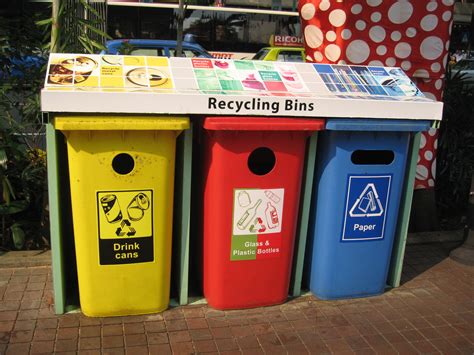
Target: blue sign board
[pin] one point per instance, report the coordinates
(366, 207)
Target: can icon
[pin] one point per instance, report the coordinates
(111, 208)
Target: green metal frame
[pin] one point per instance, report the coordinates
(55, 219)
(398, 253)
(182, 217)
(304, 214)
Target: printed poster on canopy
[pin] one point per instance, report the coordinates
(257, 223)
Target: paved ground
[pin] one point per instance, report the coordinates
(432, 312)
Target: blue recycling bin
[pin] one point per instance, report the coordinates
(358, 184)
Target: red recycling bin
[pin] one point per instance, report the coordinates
(253, 171)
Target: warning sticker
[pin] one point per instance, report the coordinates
(257, 221)
(125, 224)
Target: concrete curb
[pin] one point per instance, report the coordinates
(25, 258)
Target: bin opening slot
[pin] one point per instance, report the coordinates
(123, 163)
(372, 157)
(261, 161)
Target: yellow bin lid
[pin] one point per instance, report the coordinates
(121, 123)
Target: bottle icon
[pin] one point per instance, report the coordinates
(271, 215)
(248, 216)
(272, 196)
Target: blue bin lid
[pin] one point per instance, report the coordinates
(345, 124)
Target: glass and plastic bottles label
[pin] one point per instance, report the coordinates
(257, 221)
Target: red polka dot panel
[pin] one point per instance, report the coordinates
(413, 35)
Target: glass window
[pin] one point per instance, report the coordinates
(289, 56)
(262, 53)
(188, 53)
(148, 51)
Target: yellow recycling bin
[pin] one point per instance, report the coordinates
(122, 177)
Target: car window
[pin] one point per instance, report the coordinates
(188, 53)
(262, 53)
(148, 51)
(290, 56)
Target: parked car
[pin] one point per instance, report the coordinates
(154, 47)
(282, 54)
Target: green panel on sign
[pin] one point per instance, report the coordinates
(204, 73)
(244, 65)
(270, 75)
(231, 85)
(241, 249)
(209, 84)
(226, 75)
(264, 66)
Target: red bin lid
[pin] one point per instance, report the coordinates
(248, 123)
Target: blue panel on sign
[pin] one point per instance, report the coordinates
(366, 207)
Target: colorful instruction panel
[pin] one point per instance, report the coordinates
(366, 207)
(257, 221)
(367, 80)
(109, 71)
(247, 75)
(125, 224)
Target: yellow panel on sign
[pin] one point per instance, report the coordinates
(122, 204)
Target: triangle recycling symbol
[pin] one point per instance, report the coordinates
(367, 204)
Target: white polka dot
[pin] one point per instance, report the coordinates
(421, 172)
(324, 5)
(356, 9)
(431, 48)
(421, 73)
(451, 27)
(360, 25)
(308, 58)
(446, 46)
(446, 16)
(448, 2)
(402, 50)
(318, 56)
(307, 11)
(411, 32)
(342, 62)
(418, 160)
(396, 36)
(435, 67)
(432, 132)
(422, 141)
(376, 17)
(435, 144)
(429, 95)
(333, 52)
(374, 3)
(429, 22)
(433, 167)
(377, 34)
(331, 36)
(406, 65)
(337, 17)
(390, 62)
(439, 84)
(428, 155)
(346, 34)
(431, 182)
(400, 12)
(381, 50)
(313, 36)
(445, 60)
(357, 51)
(376, 63)
(431, 6)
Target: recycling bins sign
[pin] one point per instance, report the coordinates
(125, 222)
(366, 207)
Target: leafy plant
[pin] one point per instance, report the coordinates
(455, 160)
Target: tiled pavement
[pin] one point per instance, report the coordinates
(432, 312)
